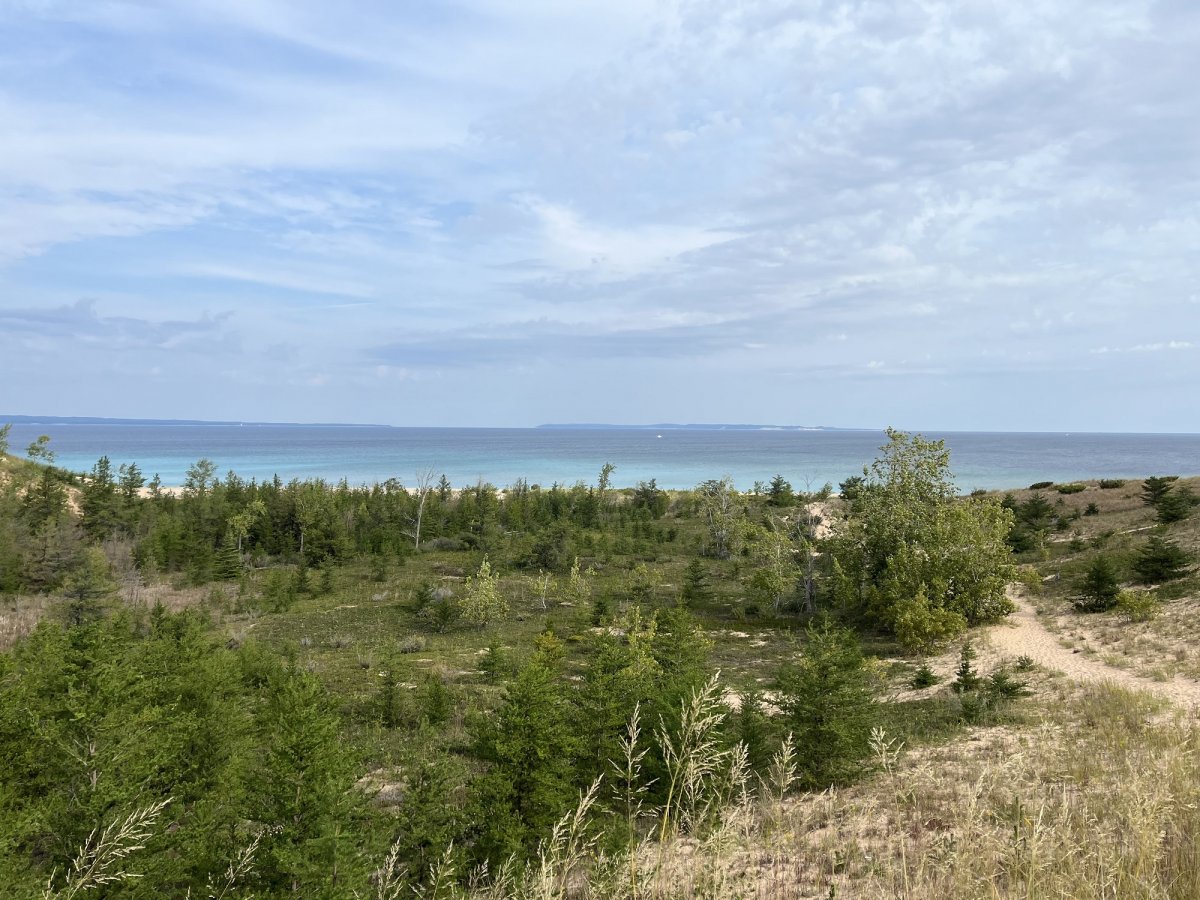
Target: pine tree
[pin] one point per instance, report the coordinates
(530, 746)
(828, 703)
(1100, 586)
(780, 493)
(1160, 560)
(1175, 505)
(696, 587)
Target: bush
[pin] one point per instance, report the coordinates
(1100, 586)
(1041, 485)
(1160, 560)
(1138, 606)
(966, 679)
(920, 626)
(923, 677)
(1073, 488)
(1108, 484)
(413, 643)
(1175, 506)
(1030, 578)
(1092, 509)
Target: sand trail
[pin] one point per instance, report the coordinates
(1023, 635)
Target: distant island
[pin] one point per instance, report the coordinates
(100, 420)
(694, 426)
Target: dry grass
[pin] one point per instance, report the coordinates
(1099, 799)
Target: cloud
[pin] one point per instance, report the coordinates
(704, 193)
(80, 322)
(537, 342)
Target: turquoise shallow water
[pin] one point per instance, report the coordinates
(677, 459)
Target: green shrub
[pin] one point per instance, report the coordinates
(966, 679)
(1108, 484)
(1138, 606)
(1100, 586)
(1073, 488)
(923, 677)
(923, 627)
(1041, 485)
(1160, 560)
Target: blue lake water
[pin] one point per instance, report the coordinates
(677, 459)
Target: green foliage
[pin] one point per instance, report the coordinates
(1031, 520)
(717, 501)
(923, 677)
(529, 746)
(496, 664)
(1109, 484)
(965, 677)
(828, 704)
(853, 487)
(1138, 606)
(1156, 487)
(780, 492)
(773, 575)
(482, 601)
(86, 588)
(433, 815)
(909, 537)
(121, 714)
(979, 695)
(649, 497)
(300, 786)
(755, 729)
(921, 627)
(1099, 586)
(1041, 485)
(1072, 488)
(1175, 505)
(696, 585)
(1160, 560)
(39, 450)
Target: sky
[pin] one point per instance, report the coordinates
(943, 215)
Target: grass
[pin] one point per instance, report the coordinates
(1094, 793)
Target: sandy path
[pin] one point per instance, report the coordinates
(1024, 635)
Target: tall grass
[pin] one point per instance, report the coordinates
(1100, 801)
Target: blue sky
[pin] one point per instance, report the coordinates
(953, 215)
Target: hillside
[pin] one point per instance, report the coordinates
(447, 704)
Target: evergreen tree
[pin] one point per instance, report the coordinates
(1175, 505)
(1099, 586)
(1160, 560)
(828, 704)
(99, 501)
(530, 747)
(696, 586)
(87, 587)
(1156, 487)
(302, 790)
(780, 492)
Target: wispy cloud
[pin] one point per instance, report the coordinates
(726, 199)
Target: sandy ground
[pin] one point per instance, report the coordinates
(1024, 635)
